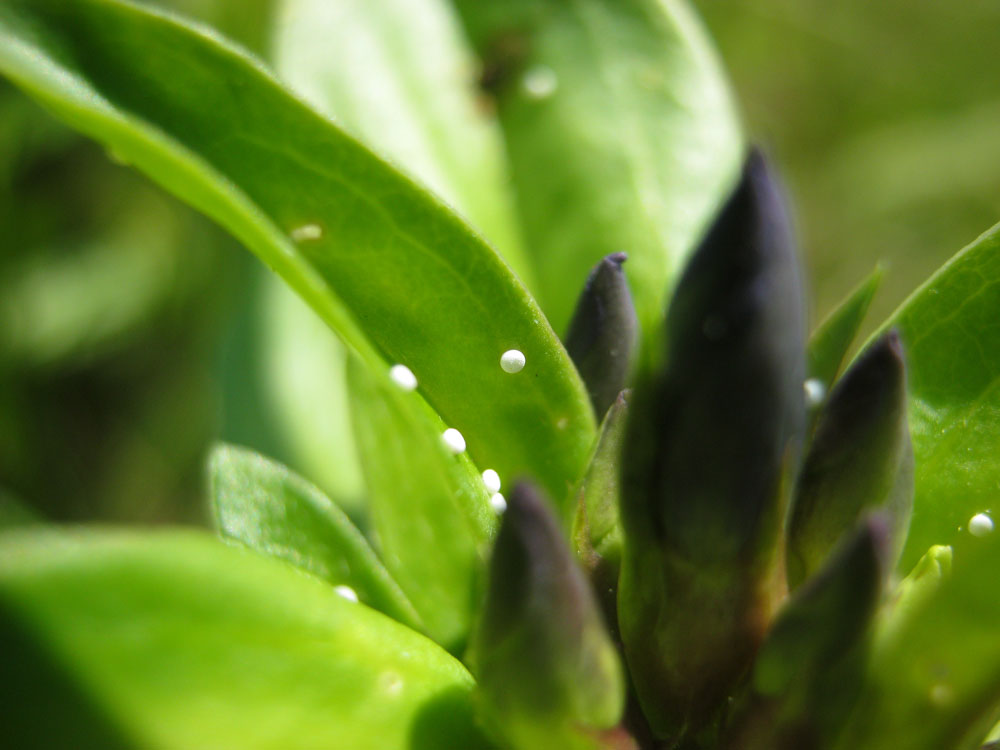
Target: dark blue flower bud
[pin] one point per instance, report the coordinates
(860, 458)
(603, 333)
(546, 667)
(711, 443)
(810, 669)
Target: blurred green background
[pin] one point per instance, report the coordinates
(133, 333)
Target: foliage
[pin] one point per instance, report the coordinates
(736, 548)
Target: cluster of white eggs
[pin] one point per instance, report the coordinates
(511, 361)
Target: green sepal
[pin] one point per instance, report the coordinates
(829, 343)
(604, 333)
(548, 673)
(596, 532)
(860, 458)
(709, 449)
(810, 669)
(922, 582)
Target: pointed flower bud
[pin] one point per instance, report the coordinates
(545, 664)
(809, 670)
(860, 458)
(602, 335)
(708, 450)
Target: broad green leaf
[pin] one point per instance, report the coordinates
(399, 75)
(399, 276)
(832, 338)
(180, 641)
(621, 132)
(268, 508)
(934, 681)
(429, 507)
(951, 335)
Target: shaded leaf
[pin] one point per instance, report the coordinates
(268, 508)
(182, 641)
(830, 342)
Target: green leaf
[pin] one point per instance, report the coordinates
(621, 132)
(832, 338)
(395, 74)
(179, 641)
(934, 682)
(399, 276)
(398, 74)
(952, 339)
(429, 507)
(268, 508)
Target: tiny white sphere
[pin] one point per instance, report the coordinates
(980, 525)
(512, 361)
(307, 232)
(498, 502)
(492, 480)
(403, 377)
(540, 82)
(347, 592)
(815, 391)
(453, 440)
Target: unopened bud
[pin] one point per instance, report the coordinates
(860, 458)
(710, 445)
(602, 335)
(810, 669)
(544, 661)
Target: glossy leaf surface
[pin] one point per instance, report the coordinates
(395, 272)
(396, 74)
(180, 641)
(268, 508)
(429, 507)
(951, 331)
(621, 132)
